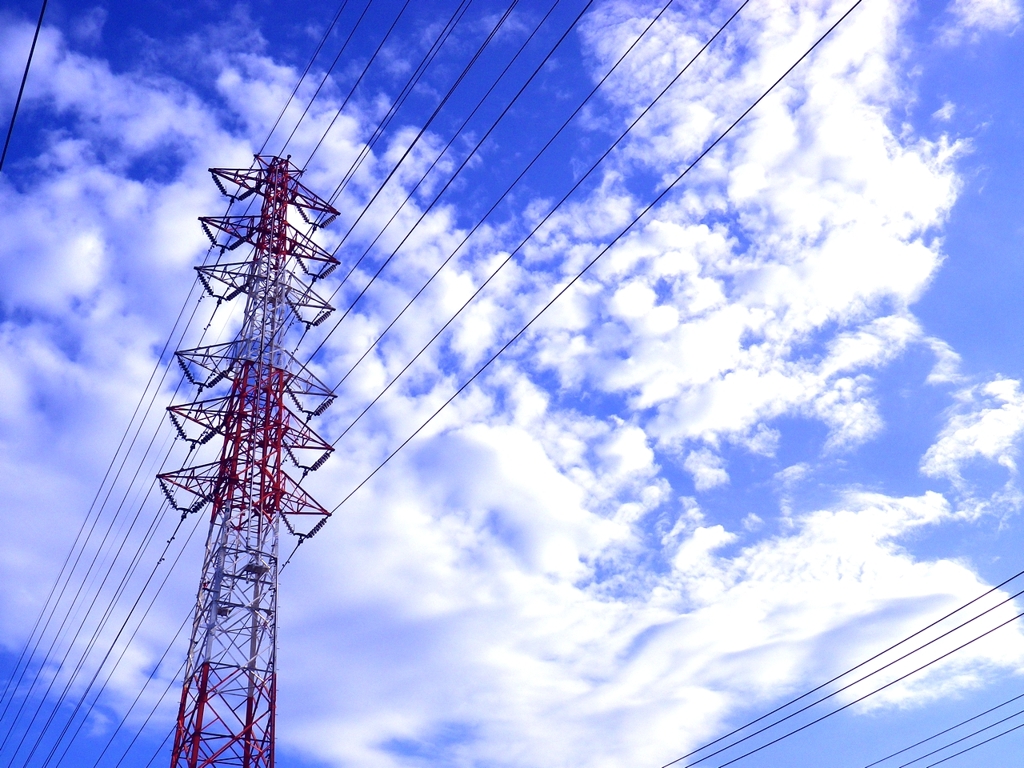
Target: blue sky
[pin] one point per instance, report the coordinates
(774, 429)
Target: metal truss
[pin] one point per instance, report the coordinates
(226, 715)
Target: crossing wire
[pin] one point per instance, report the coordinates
(90, 568)
(127, 644)
(151, 400)
(399, 100)
(861, 679)
(355, 84)
(451, 180)
(428, 58)
(440, 105)
(843, 708)
(433, 164)
(27, 656)
(107, 612)
(21, 88)
(149, 679)
(105, 616)
(177, 679)
(657, 199)
(95, 560)
(302, 77)
(494, 206)
(423, 177)
(334, 63)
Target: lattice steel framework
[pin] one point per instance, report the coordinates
(226, 716)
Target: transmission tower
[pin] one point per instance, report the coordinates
(227, 710)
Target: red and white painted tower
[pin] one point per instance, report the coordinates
(226, 716)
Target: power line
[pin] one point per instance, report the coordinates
(963, 738)
(565, 197)
(103, 686)
(327, 74)
(102, 505)
(836, 711)
(668, 188)
(21, 88)
(861, 679)
(945, 731)
(302, 77)
(975, 746)
(579, 182)
(149, 679)
(403, 95)
(451, 180)
(852, 669)
(380, 188)
(355, 85)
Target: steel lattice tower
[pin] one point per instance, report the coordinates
(226, 716)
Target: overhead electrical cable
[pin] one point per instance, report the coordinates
(21, 88)
(428, 58)
(962, 739)
(149, 679)
(426, 173)
(84, 586)
(452, 178)
(355, 85)
(945, 731)
(437, 109)
(55, 677)
(846, 706)
(861, 679)
(495, 205)
(851, 670)
(107, 615)
(973, 747)
(71, 678)
(657, 199)
(83, 698)
(423, 177)
(81, 530)
(107, 612)
(91, 519)
(175, 680)
(302, 77)
(84, 578)
(330, 69)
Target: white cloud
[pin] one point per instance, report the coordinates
(970, 17)
(987, 423)
(527, 668)
(707, 469)
(523, 585)
(783, 273)
(945, 112)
